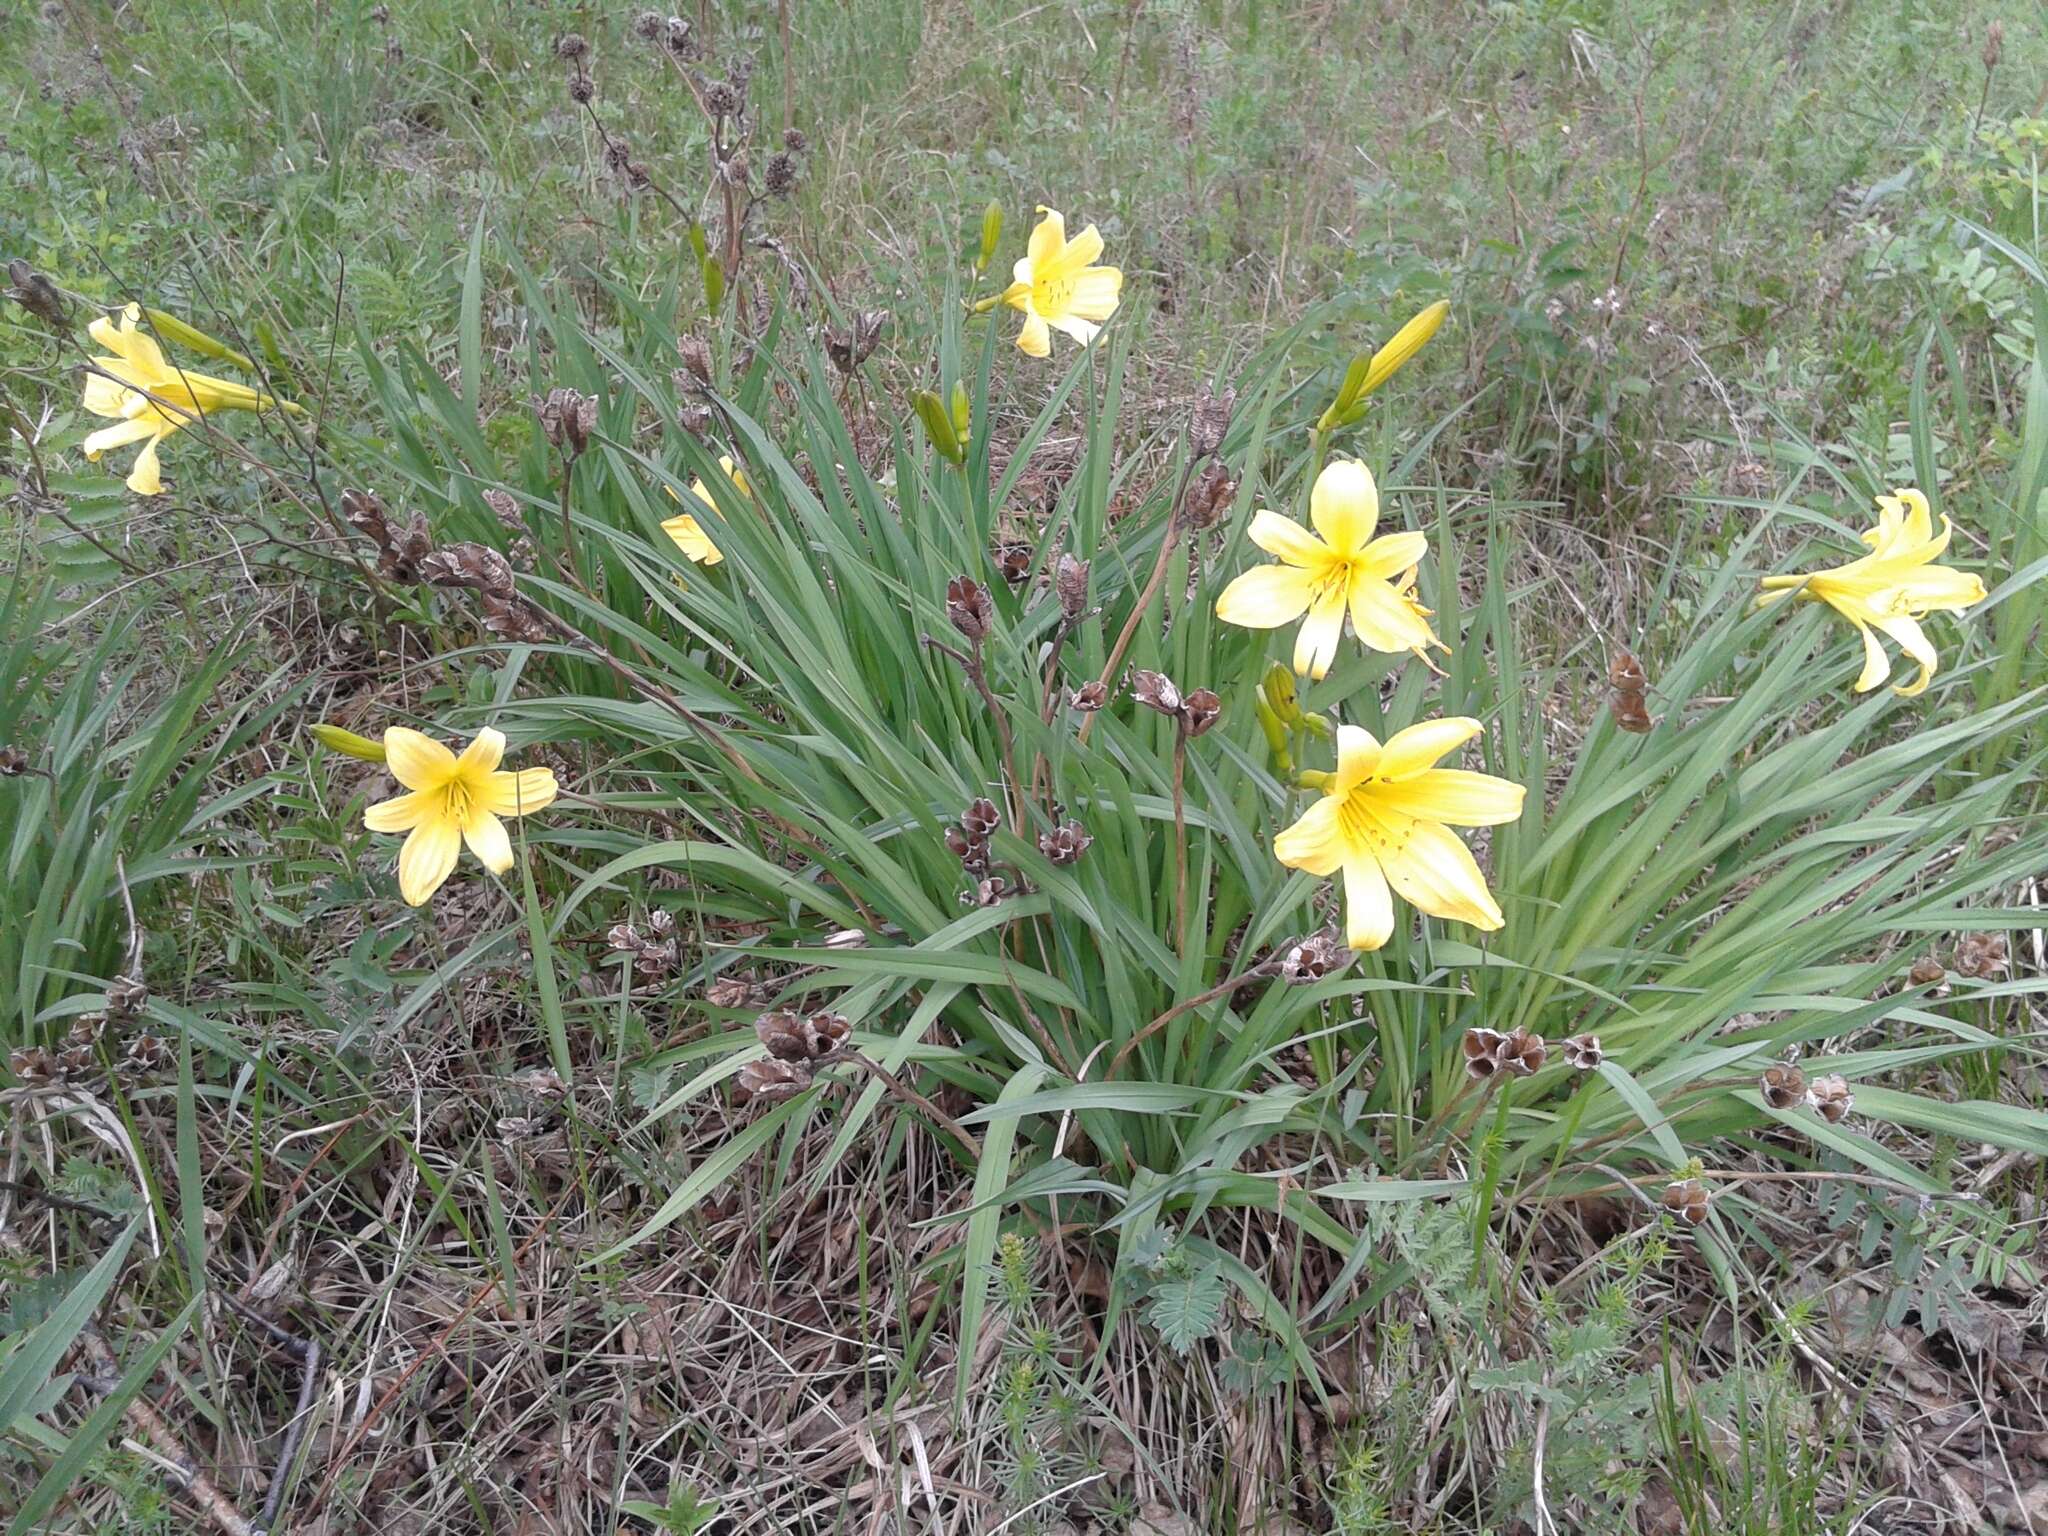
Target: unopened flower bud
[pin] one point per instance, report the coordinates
(962, 410)
(347, 743)
(938, 426)
(969, 607)
(991, 233)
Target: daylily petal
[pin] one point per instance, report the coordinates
(1455, 797)
(1344, 505)
(1435, 872)
(1083, 331)
(1358, 758)
(1876, 665)
(1076, 255)
(1285, 539)
(1266, 597)
(145, 478)
(401, 813)
(1383, 619)
(415, 760)
(1018, 294)
(1411, 751)
(1316, 646)
(487, 839)
(1048, 239)
(518, 794)
(689, 536)
(481, 757)
(1942, 587)
(1388, 557)
(428, 858)
(1912, 639)
(1316, 843)
(105, 396)
(1035, 340)
(119, 436)
(1368, 905)
(1096, 291)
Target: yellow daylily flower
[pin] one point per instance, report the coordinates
(1057, 288)
(149, 397)
(1385, 820)
(1345, 569)
(688, 534)
(1890, 589)
(451, 801)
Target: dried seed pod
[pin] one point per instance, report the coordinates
(75, 1061)
(779, 180)
(543, 1083)
(1482, 1050)
(1581, 1053)
(476, 567)
(1014, 561)
(824, 1033)
(1090, 697)
(695, 352)
(1981, 956)
(1994, 45)
(126, 997)
(13, 762)
(85, 1030)
(1782, 1086)
(991, 891)
(1154, 690)
(782, 1033)
(568, 420)
(38, 295)
(33, 1066)
(1320, 954)
(680, 40)
(969, 607)
(623, 939)
(1200, 711)
(853, 346)
(514, 619)
(1065, 843)
(661, 923)
(770, 1082)
(721, 99)
(1831, 1098)
(1070, 581)
(1211, 421)
(1209, 497)
(846, 938)
(1927, 972)
(148, 1053)
(1687, 1201)
(981, 817)
(1626, 683)
(729, 992)
(1523, 1053)
(506, 509)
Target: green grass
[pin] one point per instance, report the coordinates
(1716, 276)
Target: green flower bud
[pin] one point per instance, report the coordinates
(991, 232)
(347, 743)
(938, 426)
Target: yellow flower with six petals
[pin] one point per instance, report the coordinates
(149, 397)
(451, 801)
(1346, 569)
(1890, 589)
(684, 528)
(1058, 289)
(1385, 820)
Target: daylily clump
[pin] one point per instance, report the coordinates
(1385, 820)
(149, 397)
(1890, 589)
(451, 801)
(1340, 568)
(1058, 288)
(684, 528)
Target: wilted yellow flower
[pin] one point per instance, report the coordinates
(150, 397)
(1385, 820)
(453, 800)
(689, 536)
(1346, 569)
(1890, 589)
(1056, 287)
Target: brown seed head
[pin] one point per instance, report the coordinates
(32, 1065)
(38, 295)
(582, 89)
(1201, 710)
(780, 178)
(729, 992)
(1309, 960)
(1832, 1099)
(825, 1033)
(1070, 580)
(1014, 561)
(650, 26)
(572, 46)
(1926, 972)
(126, 997)
(1090, 697)
(1211, 421)
(1482, 1050)
(1582, 1053)
(13, 762)
(1523, 1053)
(1209, 497)
(1065, 843)
(1994, 45)
(1981, 956)
(722, 100)
(1782, 1086)
(969, 607)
